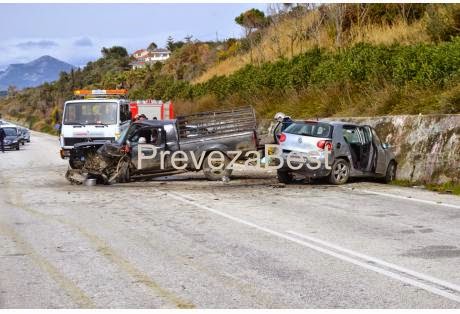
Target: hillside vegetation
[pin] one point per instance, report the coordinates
(308, 61)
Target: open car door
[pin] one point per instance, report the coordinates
(372, 153)
(381, 162)
(367, 153)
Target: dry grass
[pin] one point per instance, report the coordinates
(276, 41)
(400, 33)
(225, 67)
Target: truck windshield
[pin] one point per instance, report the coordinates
(10, 131)
(90, 113)
(315, 129)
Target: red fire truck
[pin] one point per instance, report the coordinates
(152, 109)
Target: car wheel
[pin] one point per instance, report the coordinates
(216, 174)
(17, 147)
(391, 172)
(284, 176)
(340, 172)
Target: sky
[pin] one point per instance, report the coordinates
(75, 33)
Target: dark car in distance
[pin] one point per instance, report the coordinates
(12, 138)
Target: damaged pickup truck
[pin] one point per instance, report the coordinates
(144, 150)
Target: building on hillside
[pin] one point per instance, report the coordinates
(145, 57)
(141, 53)
(137, 65)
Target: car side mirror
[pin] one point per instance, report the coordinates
(142, 140)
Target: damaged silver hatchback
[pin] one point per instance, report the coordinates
(352, 151)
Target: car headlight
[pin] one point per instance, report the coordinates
(7, 141)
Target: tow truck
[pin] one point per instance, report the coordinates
(94, 116)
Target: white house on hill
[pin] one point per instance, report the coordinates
(144, 57)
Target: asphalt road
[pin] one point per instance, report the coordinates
(186, 242)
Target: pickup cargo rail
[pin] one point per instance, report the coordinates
(203, 124)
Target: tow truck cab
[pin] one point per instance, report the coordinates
(101, 116)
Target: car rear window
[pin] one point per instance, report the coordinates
(10, 131)
(315, 129)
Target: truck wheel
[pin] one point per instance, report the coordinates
(340, 172)
(216, 174)
(284, 176)
(391, 172)
(124, 173)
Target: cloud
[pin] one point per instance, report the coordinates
(83, 42)
(41, 44)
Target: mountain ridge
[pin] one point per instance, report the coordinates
(34, 73)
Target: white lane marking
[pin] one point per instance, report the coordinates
(434, 280)
(410, 281)
(408, 198)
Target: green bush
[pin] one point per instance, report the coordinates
(420, 65)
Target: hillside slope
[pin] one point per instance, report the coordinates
(294, 33)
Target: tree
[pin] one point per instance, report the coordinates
(336, 14)
(188, 38)
(152, 46)
(251, 20)
(276, 15)
(115, 51)
(173, 45)
(170, 43)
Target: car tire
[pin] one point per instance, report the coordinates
(284, 176)
(216, 174)
(18, 147)
(340, 172)
(390, 174)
